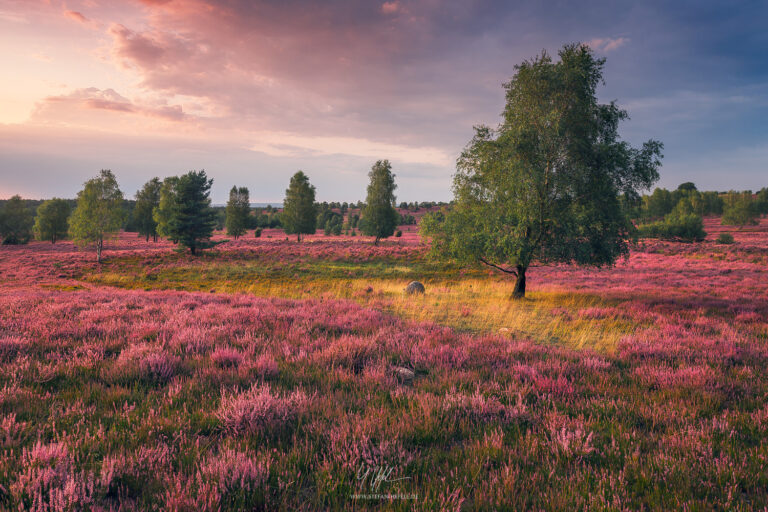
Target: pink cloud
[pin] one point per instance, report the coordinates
(134, 47)
(390, 7)
(607, 44)
(74, 107)
(76, 16)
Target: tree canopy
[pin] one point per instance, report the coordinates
(16, 222)
(379, 217)
(51, 222)
(238, 210)
(99, 213)
(147, 199)
(545, 185)
(740, 209)
(299, 210)
(184, 214)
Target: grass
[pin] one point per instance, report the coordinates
(469, 300)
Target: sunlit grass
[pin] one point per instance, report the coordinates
(479, 303)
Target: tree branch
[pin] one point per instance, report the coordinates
(507, 271)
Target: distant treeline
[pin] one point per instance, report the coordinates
(666, 214)
(179, 209)
(678, 214)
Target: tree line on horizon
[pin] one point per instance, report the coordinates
(179, 209)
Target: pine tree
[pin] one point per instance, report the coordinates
(184, 214)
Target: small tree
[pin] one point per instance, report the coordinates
(147, 199)
(184, 214)
(16, 222)
(299, 210)
(740, 210)
(238, 211)
(379, 214)
(544, 187)
(99, 212)
(51, 220)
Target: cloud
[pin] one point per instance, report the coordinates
(607, 44)
(289, 144)
(76, 16)
(390, 7)
(132, 47)
(76, 108)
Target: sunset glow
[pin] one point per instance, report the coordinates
(255, 90)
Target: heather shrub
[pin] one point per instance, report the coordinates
(226, 357)
(128, 474)
(146, 362)
(265, 366)
(260, 409)
(48, 481)
(725, 238)
(241, 477)
(10, 346)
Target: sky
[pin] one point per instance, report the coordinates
(253, 90)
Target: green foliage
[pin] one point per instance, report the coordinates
(257, 233)
(725, 238)
(51, 222)
(147, 199)
(238, 211)
(658, 204)
(99, 213)
(762, 201)
(398, 233)
(299, 210)
(16, 222)
(331, 221)
(740, 209)
(379, 212)
(681, 224)
(545, 185)
(184, 214)
(712, 203)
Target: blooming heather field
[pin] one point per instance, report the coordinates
(270, 375)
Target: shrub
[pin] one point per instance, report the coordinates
(227, 357)
(260, 409)
(257, 233)
(725, 238)
(687, 227)
(398, 233)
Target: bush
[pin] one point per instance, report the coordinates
(257, 232)
(687, 227)
(725, 238)
(740, 210)
(398, 233)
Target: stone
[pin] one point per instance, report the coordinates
(414, 287)
(404, 375)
